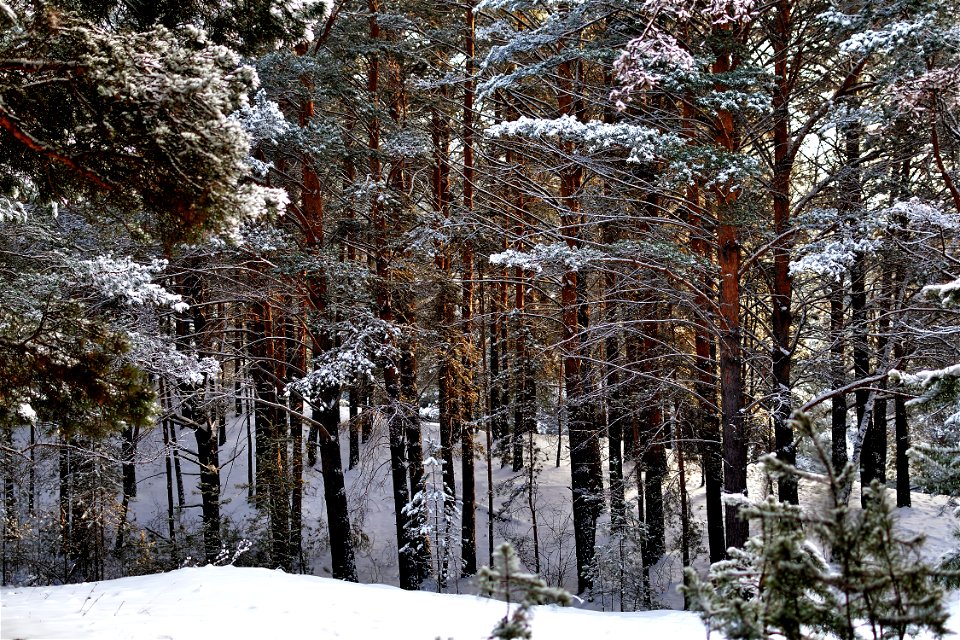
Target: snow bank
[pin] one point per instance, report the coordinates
(235, 603)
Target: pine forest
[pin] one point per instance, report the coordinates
(624, 304)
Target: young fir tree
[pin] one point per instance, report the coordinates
(865, 580)
(940, 390)
(431, 516)
(505, 580)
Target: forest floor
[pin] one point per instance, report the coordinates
(370, 501)
(235, 602)
(248, 602)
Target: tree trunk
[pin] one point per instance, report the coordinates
(468, 536)
(654, 457)
(879, 426)
(616, 418)
(128, 452)
(707, 430)
(297, 350)
(838, 409)
(334, 489)
(353, 397)
(782, 294)
(729, 254)
(731, 382)
(331, 463)
(902, 435)
(520, 377)
(203, 425)
(271, 486)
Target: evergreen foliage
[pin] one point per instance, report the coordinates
(652, 220)
(431, 517)
(523, 590)
(860, 578)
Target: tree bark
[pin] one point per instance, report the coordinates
(838, 404)
(468, 536)
(902, 435)
(782, 294)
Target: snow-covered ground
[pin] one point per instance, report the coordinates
(236, 603)
(239, 603)
(251, 603)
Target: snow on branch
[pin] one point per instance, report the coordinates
(645, 144)
(129, 281)
(157, 355)
(833, 256)
(941, 386)
(883, 40)
(262, 120)
(934, 385)
(542, 255)
(364, 342)
(648, 58)
(645, 62)
(948, 294)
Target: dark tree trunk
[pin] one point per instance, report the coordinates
(449, 375)
(861, 369)
(468, 536)
(323, 341)
(209, 490)
(408, 569)
(616, 418)
(409, 572)
(498, 415)
(353, 395)
(879, 427)
(654, 458)
(729, 255)
(414, 439)
(584, 445)
(297, 363)
(128, 451)
(685, 537)
(838, 409)
(520, 377)
(168, 468)
(271, 476)
(782, 316)
(707, 429)
(204, 427)
(902, 435)
(366, 422)
(334, 489)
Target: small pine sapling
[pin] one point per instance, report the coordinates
(939, 391)
(618, 570)
(505, 580)
(868, 582)
(431, 515)
(940, 465)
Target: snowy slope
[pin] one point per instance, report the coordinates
(236, 603)
(369, 496)
(239, 603)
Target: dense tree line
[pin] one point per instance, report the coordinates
(653, 230)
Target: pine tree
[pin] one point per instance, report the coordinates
(431, 516)
(940, 392)
(867, 579)
(505, 580)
